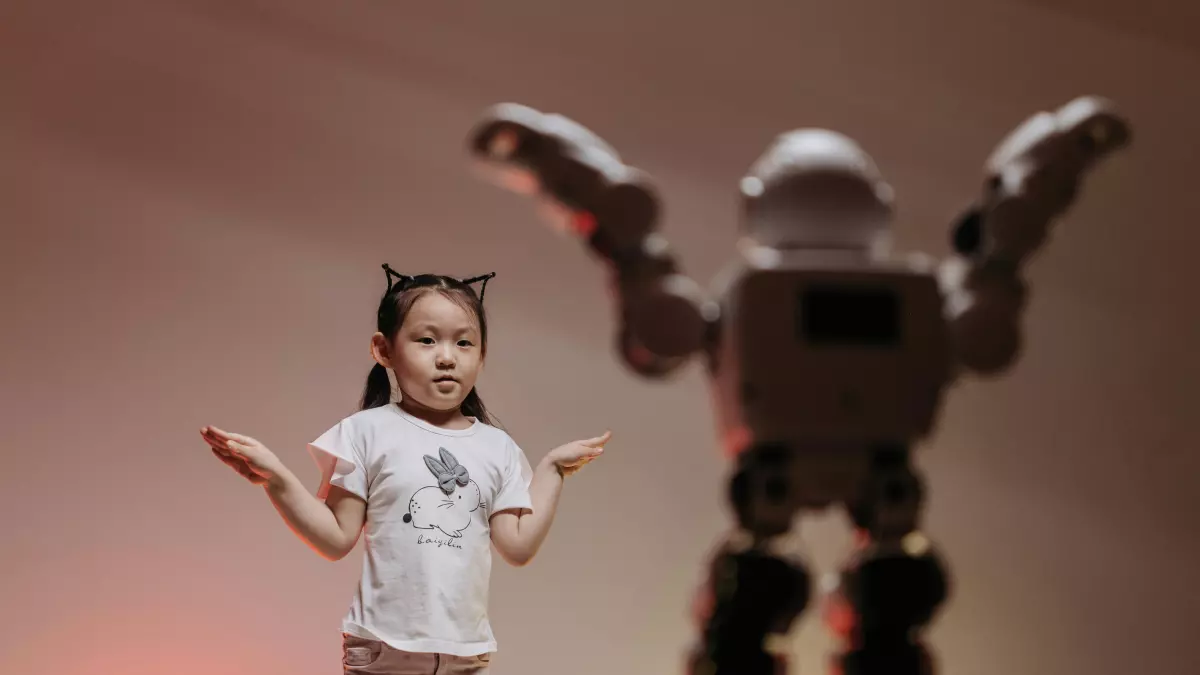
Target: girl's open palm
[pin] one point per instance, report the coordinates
(245, 455)
(572, 457)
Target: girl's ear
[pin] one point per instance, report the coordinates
(381, 351)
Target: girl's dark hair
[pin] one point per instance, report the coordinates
(395, 305)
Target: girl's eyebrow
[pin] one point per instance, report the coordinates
(468, 328)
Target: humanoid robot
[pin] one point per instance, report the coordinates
(828, 355)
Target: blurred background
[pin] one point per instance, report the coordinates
(196, 197)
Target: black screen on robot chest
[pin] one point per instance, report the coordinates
(850, 316)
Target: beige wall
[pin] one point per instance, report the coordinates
(196, 197)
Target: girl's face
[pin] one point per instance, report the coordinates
(437, 353)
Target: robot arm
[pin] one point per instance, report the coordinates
(583, 187)
(1033, 177)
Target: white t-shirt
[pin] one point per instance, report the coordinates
(430, 493)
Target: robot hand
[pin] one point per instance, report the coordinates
(578, 177)
(1033, 176)
(585, 188)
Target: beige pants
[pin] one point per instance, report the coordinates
(372, 657)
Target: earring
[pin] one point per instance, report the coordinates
(396, 395)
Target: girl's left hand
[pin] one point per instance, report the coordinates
(572, 456)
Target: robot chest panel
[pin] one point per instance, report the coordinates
(836, 355)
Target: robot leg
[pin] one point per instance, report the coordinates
(752, 592)
(893, 584)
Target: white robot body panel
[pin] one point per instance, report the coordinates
(829, 356)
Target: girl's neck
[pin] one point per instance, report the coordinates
(453, 420)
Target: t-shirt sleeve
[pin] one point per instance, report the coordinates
(341, 460)
(514, 490)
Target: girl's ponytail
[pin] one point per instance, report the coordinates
(472, 406)
(378, 391)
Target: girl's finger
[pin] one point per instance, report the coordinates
(230, 436)
(216, 444)
(585, 458)
(238, 448)
(216, 441)
(216, 433)
(598, 441)
(581, 451)
(240, 438)
(242, 467)
(233, 462)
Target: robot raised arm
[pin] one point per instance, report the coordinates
(583, 187)
(1032, 178)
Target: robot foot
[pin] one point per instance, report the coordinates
(886, 594)
(750, 662)
(751, 595)
(902, 659)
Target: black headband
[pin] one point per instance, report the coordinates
(404, 281)
(482, 277)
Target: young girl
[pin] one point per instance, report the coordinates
(434, 483)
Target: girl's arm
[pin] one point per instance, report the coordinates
(331, 528)
(518, 535)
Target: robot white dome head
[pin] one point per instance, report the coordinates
(815, 188)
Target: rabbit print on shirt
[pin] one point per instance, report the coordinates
(448, 505)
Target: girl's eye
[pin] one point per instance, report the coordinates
(426, 340)
(464, 343)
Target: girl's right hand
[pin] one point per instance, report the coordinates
(245, 455)
(572, 457)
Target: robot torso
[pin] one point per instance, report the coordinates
(816, 352)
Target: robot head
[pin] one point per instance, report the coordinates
(814, 188)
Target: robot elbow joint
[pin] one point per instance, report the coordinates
(990, 353)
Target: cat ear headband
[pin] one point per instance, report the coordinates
(403, 281)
